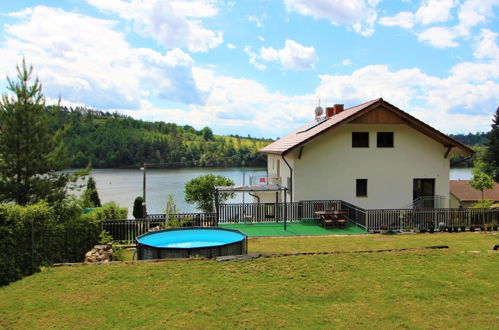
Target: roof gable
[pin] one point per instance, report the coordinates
(375, 111)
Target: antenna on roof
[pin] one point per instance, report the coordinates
(318, 110)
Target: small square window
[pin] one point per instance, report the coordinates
(361, 188)
(385, 139)
(360, 139)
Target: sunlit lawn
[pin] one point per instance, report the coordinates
(418, 289)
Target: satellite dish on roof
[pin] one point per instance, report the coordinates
(319, 111)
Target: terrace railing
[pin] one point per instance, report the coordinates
(370, 220)
(273, 212)
(408, 219)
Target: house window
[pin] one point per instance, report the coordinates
(361, 188)
(385, 139)
(360, 139)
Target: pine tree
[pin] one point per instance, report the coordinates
(492, 152)
(30, 155)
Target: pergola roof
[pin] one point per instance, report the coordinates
(269, 187)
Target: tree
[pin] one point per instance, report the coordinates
(492, 151)
(201, 191)
(30, 155)
(481, 181)
(91, 196)
(138, 208)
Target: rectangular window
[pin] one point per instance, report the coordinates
(361, 188)
(385, 139)
(360, 139)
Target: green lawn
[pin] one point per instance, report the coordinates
(292, 229)
(418, 289)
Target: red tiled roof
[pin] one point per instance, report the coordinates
(301, 135)
(464, 192)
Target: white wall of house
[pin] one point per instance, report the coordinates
(279, 173)
(329, 166)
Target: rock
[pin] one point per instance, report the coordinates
(99, 254)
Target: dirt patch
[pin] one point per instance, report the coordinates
(384, 239)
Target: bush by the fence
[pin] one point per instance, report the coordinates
(108, 211)
(40, 235)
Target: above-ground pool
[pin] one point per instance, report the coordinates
(195, 241)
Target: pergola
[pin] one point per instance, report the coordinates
(249, 189)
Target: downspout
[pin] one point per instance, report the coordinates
(256, 196)
(291, 179)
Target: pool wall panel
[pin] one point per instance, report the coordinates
(147, 252)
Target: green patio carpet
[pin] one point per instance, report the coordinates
(305, 227)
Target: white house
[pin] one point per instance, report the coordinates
(373, 155)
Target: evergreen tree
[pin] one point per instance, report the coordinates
(138, 208)
(492, 152)
(30, 154)
(91, 196)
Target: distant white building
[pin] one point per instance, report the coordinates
(373, 155)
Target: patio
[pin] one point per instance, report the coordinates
(302, 228)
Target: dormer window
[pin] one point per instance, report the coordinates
(360, 139)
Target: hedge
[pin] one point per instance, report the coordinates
(41, 235)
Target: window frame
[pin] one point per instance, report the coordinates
(356, 141)
(378, 140)
(359, 189)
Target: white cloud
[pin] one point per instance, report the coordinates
(253, 59)
(473, 13)
(461, 102)
(439, 37)
(403, 19)
(435, 11)
(257, 20)
(231, 46)
(292, 57)
(262, 39)
(358, 14)
(346, 62)
(83, 59)
(174, 24)
(487, 46)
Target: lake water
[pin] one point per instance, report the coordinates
(123, 185)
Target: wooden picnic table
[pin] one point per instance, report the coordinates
(332, 217)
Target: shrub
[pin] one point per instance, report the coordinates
(39, 235)
(138, 208)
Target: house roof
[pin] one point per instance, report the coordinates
(311, 130)
(464, 192)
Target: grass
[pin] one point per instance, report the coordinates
(292, 229)
(417, 289)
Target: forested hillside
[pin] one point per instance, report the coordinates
(476, 141)
(471, 139)
(111, 140)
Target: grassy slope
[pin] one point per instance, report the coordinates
(423, 289)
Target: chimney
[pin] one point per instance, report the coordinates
(329, 112)
(337, 109)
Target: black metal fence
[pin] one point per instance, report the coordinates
(370, 220)
(273, 212)
(127, 230)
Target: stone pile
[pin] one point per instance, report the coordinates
(99, 254)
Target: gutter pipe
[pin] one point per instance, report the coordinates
(291, 177)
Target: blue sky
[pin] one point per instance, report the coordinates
(259, 67)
